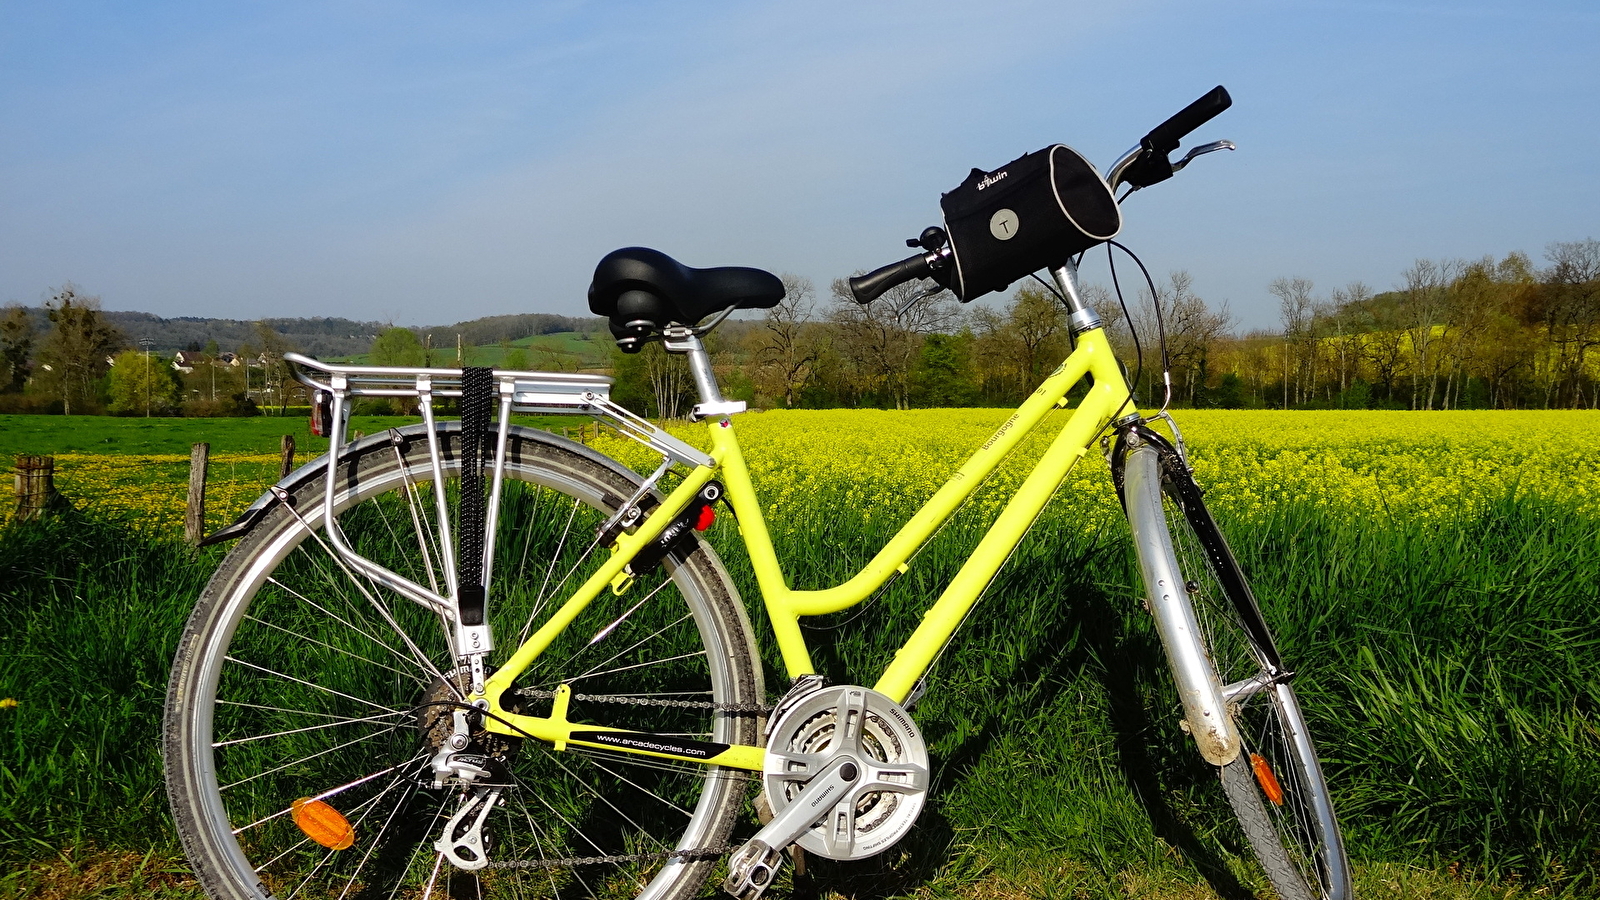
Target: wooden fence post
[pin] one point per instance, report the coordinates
(288, 456)
(194, 516)
(35, 484)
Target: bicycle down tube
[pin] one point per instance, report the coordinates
(1106, 400)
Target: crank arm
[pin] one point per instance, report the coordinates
(753, 866)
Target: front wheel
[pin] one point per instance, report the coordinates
(308, 704)
(1274, 784)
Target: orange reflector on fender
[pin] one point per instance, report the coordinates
(322, 823)
(1267, 780)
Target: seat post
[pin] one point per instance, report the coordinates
(677, 339)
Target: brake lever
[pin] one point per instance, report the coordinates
(917, 297)
(1201, 151)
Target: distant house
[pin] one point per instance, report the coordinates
(230, 360)
(185, 361)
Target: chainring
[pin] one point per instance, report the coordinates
(875, 732)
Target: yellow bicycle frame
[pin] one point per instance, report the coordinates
(1107, 400)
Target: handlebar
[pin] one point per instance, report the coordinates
(1147, 163)
(1164, 138)
(867, 288)
(1144, 165)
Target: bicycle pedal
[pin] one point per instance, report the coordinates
(752, 869)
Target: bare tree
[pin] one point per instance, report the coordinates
(275, 371)
(1257, 360)
(16, 345)
(1571, 314)
(788, 343)
(1112, 317)
(1386, 345)
(1342, 317)
(671, 382)
(1426, 308)
(1489, 342)
(1295, 307)
(77, 348)
(879, 341)
(1193, 330)
(1023, 343)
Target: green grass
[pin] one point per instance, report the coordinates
(141, 436)
(94, 613)
(115, 435)
(1448, 671)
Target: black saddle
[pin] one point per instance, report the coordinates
(642, 291)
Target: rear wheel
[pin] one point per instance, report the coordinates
(307, 703)
(1275, 785)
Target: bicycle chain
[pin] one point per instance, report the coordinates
(686, 854)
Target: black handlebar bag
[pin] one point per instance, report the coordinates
(1031, 213)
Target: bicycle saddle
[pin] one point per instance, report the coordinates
(642, 290)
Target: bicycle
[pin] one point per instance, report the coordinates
(343, 720)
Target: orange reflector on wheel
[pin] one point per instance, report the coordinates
(322, 823)
(1267, 780)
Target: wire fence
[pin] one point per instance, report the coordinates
(150, 492)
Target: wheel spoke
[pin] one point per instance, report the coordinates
(308, 728)
(377, 839)
(642, 789)
(295, 762)
(544, 593)
(336, 617)
(640, 665)
(339, 650)
(605, 632)
(595, 669)
(317, 687)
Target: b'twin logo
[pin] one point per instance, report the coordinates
(991, 179)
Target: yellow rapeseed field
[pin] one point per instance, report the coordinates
(150, 491)
(1432, 466)
(1416, 465)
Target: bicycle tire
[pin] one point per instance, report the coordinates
(1275, 785)
(290, 682)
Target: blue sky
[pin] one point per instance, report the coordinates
(426, 163)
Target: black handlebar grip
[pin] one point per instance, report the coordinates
(1164, 138)
(867, 288)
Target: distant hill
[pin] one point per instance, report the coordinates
(556, 351)
(491, 331)
(321, 336)
(317, 336)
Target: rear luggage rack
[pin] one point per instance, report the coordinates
(533, 393)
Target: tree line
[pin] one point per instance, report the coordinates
(83, 362)
(1474, 334)
(71, 356)
(1455, 334)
